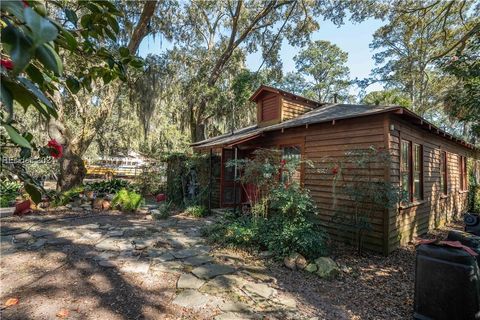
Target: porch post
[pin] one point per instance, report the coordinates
(210, 183)
(235, 183)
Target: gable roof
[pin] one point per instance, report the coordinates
(263, 88)
(323, 113)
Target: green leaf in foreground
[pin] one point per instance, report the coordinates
(34, 193)
(16, 137)
(42, 29)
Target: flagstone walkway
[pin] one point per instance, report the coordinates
(125, 267)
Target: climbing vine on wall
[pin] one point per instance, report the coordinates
(188, 178)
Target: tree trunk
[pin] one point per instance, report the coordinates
(72, 170)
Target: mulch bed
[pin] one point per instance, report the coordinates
(371, 286)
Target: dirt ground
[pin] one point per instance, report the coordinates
(53, 268)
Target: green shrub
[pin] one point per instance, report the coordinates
(9, 190)
(284, 236)
(278, 221)
(151, 180)
(110, 186)
(291, 201)
(280, 235)
(127, 200)
(68, 196)
(164, 211)
(474, 198)
(234, 231)
(196, 211)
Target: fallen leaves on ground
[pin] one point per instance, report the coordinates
(11, 302)
(62, 313)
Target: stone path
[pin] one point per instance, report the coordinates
(207, 279)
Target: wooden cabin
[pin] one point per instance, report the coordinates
(426, 162)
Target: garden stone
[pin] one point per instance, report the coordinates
(311, 267)
(97, 203)
(104, 256)
(260, 276)
(189, 281)
(107, 244)
(124, 245)
(289, 261)
(231, 306)
(115, 233)
(190, 299)
(57, 241)
(198, 260)
(327, 268)
(164, 257)
(168, 266)
(301, 262)
(135, 267)
(223, 283)
(155, 253)
(185, 253)
(209, 271)
(288, 302)
(40, 233)
(233, 316)
(106, 264)
(92, 235)
(38, 244)
(139, 244)
(23, 237)
(260, 289)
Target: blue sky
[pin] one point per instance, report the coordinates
(352, 38)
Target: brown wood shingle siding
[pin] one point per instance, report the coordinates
(269, 107)
(327, 143)
(292, 109)
(412, 220)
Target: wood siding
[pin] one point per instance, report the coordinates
(324, 145)
(327, 144)
(269, 108)
(414, 219)
(292, 109)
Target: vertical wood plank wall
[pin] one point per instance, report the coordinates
(415, 219)
(292, 109)
(326, 144)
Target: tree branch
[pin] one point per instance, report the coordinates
(140, 30)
